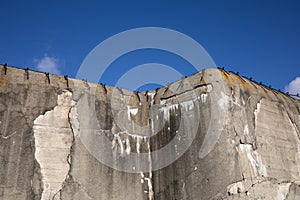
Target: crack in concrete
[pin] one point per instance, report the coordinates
(246, 191)
(69, 157)
(185, 91)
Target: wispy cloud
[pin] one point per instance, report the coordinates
(48, 64)
(294, 86)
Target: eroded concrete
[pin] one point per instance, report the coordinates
(246, 142)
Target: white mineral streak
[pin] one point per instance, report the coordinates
(254, 159)
(128, 149)
(150, 173)
(122, 145)
(118, 144)
(187, 105)
(151, 95)
(246, 130)
(148, 179)
(53, 140)
(138, 144)
(131, 110)
(203, 97)
(243, 101)
(165, 109)
(121, 142)
(152, 126)
(259, 164)
(257, 111)
(139, 139)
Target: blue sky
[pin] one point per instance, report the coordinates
(260, 39)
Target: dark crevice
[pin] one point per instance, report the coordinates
(174, 95)
(67, 81)
(48, 78)
(104, 88)
(138, 96)
(27, 73)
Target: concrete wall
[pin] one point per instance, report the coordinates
(242, 139)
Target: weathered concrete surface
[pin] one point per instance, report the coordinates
(246, 144)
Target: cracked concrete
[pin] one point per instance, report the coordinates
(246, 144)
(264, 189)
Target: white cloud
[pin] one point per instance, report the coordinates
(48, 64)
(294, 86)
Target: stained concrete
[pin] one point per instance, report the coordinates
(245, 146)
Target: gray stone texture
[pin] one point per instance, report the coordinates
(246, 144)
